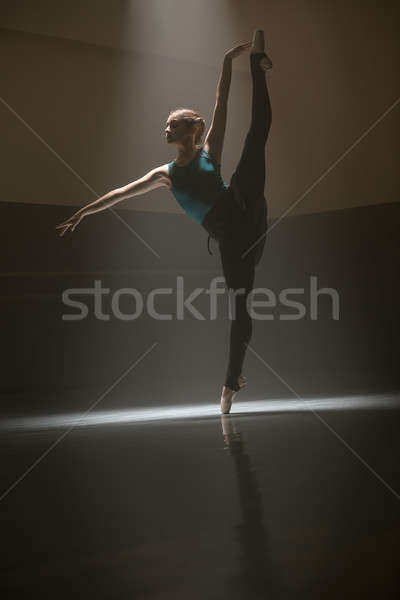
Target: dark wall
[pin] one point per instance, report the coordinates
(102, 110)
(47, 361)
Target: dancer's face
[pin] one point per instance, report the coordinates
(177, 130)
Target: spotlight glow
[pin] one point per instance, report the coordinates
(160, 413)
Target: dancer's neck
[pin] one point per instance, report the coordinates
(186, 155)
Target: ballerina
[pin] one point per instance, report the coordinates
(235, 215)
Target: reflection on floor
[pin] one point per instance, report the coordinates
(276, 500)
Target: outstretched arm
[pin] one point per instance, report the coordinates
(153, 179)
(215, 136)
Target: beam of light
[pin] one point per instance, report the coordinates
(160, 413)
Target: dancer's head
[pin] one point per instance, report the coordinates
(184, 126)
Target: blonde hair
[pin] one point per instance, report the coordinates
(191, 116)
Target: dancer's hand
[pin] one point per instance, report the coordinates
(72, 222)
(237, 50)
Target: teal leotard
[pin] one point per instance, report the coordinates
(196, 185)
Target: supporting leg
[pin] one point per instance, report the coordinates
(239, 277)
(240, 336)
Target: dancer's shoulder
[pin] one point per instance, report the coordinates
(163, 173)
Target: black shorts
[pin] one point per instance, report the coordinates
(235, 229)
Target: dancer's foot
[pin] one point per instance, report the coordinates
(227, 398)
(258, 48)
(228, 395)
(258, 42)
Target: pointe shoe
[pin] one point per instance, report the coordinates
(258, 42)
(228, 395)
(258, 48)
(227, 398)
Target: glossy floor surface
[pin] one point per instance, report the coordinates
(280, 503)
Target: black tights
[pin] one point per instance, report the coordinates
(247, 222)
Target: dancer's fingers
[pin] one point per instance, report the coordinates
(233, 52)
(65, 228)
(243, 46)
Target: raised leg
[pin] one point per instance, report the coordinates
(247, 184)
(248, 180)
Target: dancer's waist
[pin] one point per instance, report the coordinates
(219, 219)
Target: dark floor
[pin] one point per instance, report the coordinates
(281, 503)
